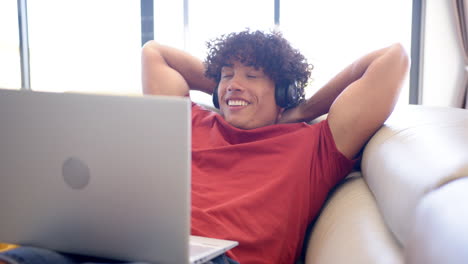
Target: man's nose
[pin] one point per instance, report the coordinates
(234, 85)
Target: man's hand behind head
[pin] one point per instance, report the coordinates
(292, 115)
(303, 112)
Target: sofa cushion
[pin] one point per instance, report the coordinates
(351, 230)
(439, 232)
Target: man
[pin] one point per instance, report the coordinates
(254, 179)
(259, 173)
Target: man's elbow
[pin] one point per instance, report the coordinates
(400, 53)
(150, 51)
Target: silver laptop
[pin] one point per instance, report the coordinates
(98, 175)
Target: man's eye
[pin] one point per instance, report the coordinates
(252, 76)
(225, 76)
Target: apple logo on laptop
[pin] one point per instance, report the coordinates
(75, 173)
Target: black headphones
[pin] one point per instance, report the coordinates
(286, 95)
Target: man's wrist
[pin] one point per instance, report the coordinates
(310, 109)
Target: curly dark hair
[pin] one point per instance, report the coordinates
(268, 51)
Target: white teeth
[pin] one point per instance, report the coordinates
(237, 103)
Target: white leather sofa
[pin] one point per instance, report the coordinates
(409, 202)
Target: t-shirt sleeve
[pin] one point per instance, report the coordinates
(203, 119)
(329, 165)
(198, 113)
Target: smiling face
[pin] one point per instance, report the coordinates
(247, 97)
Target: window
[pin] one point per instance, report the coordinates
(85, 45)
(333, 34)
(189, 27)
(10, 68)
(169, 22)
(211, 18)
(95, 46)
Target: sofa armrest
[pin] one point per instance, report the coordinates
(418, 150)
(413, 207)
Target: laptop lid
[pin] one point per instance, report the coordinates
(98, 175)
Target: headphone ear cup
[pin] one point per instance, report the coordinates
(215, 97)
(281, 95)
(287, 95)
(292, 94)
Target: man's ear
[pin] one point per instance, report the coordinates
(280, 113)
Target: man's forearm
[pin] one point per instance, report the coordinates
(321, 101)
(170, 71)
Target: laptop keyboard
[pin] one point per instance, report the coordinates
(196, 249)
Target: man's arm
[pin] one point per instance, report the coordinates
(359, 99)
(169, 71)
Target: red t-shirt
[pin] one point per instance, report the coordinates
(261, 187)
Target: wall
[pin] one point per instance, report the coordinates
(442, 61)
